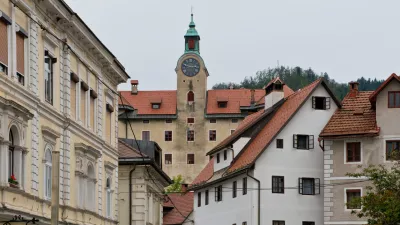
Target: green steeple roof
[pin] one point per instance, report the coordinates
(192, 32)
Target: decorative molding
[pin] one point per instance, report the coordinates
(17, 108)
(82, 149)
(50, 135)
(109, 166)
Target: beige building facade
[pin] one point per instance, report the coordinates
(191, 120)
(362, 133)
(58, 93)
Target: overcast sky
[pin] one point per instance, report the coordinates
(345, 38)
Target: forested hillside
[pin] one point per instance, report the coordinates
(297, 78)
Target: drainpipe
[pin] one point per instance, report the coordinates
(259, 197)
(55, 187)
(130, 194)
(126, 129)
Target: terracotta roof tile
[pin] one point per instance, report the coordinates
(356, 117)
(143, 99)
(183, 203)
(126, 151)
(282, 116)
(205, 174)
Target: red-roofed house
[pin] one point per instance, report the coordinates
(191, 119)
(365, 131)
(269, 171)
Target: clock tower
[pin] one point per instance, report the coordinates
(190, 153)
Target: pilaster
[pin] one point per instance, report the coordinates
(35, 154)
(4, 163)
(100, 186)
(100, 105)
(33, 57)
(328, 172)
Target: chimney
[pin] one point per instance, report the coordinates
(353, 86)
(273, 92)
(134, 84)
(231, 87)
(252, 98)
(184, 187)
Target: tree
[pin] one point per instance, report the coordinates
(176, 186)
(381, 203)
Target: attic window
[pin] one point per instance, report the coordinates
(222, 104)
(155, 105)
(321, 103)
(394, 99)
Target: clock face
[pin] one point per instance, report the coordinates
(190, 67)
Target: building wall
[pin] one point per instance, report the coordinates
(147, 200)
(294, 164)
(50, 126)
(230, 210)
(385, 117)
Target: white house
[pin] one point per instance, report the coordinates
(269, 171)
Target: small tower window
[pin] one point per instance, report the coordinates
(190, 96)
(191, 44)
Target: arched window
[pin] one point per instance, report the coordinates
(11, 154)
(47, 173)
(190, 96)
(91, 188)
(108, 197)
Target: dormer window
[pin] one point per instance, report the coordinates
(222, 102)
(155, 103)
(394, 99)
(155, 106)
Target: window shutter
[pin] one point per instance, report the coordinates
(327, 103)
(313, 102)
(311, 142)
(300, 185)
(317, 186)
(216, 194)
(295, 140)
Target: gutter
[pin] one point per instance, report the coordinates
(206, 184)
(130, 194)
(259, 197)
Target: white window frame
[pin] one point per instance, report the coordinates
(388, 138)
(172, 158)
(187, 158)
(145, 131)
(51, 56)
(172, 136)
(47, 176)
(232, 131)
(109, 197)
(194, 135)
(361, 151)
(345, 198)
(215, 135)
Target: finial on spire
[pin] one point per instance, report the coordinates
(191, 13)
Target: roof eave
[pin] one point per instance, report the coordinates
(144, 161)
(223, 178)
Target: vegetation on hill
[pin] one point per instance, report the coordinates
(296, 78)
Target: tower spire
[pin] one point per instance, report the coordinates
(192, 38)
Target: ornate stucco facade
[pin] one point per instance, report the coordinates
(170, 117)
(58, 86)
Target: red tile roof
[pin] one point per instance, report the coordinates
(143, 99)
(126, 151)
(184, 206)
(356, 117)
(373, 96)
(282, 116)
(205, 174)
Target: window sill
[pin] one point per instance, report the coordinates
(353, 163)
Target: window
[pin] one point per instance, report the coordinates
(218, 158)
(218, 193)
(213, 121)
(47, 174)
(108, 122)
(244, 223)
(146, 121)
(394, 99)
(168, 121)
(190, 158)
(108, 197)
(20, 39)
(91, 185)
(168, 135)
(392, 149)
(308, 223)
(278, 222)
(155, 106)
(222, 104)
(278, 184)
(225, 154)
(301, 141)
(309, 186)
(279, 143)
(190, 120)
(244, 186)
(3, 46)
(206, 200)
(351, 195)
(235, 120)
(11, 154)
(321, 103)
(191, 44)
(190, 96)
(234, 189)
(212, 135)
(199, 199)
(232, 131)
(353, 152)
(48, 76)
(93, 106)
(168, 158)
(146, 135)
(190, 135)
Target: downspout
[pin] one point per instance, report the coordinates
(130, 194)
(126, 129)
(259, 197)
